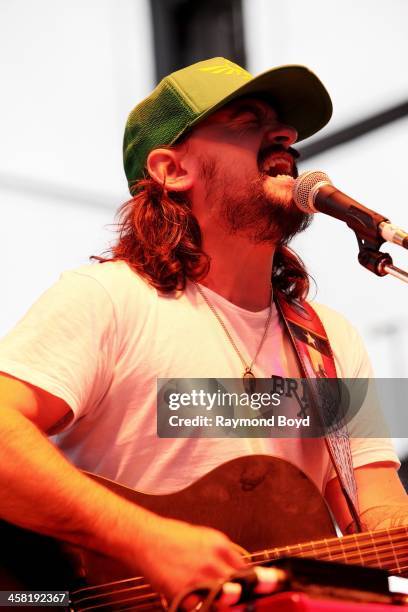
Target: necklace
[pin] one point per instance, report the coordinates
(247, 373)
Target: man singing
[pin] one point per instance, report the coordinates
(189, 291)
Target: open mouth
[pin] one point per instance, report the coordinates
(277, 163)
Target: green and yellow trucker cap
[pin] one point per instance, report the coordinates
(185, 97)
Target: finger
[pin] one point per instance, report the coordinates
(233, 556)
(242, 551)
(190, 602)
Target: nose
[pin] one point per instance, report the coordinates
(282, 134)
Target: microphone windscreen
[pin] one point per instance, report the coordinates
(305, 188)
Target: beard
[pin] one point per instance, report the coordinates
(248, 209)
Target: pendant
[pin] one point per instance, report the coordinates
(248, 373)
(249, 379)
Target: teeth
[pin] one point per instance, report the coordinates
(273, 160)
(280, 162)
(284, 166)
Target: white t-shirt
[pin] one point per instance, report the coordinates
(101, 337)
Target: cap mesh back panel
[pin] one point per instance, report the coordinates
(155, 122)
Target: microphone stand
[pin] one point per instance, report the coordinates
(314, 192)
(375, 260)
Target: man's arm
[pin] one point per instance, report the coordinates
(47, 494)
(382, 499)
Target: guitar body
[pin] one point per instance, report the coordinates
(260, 502)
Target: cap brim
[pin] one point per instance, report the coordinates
(298, 96)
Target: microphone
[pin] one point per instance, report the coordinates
(314, 192)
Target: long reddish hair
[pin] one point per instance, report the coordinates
(160, 239)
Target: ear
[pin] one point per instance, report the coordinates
(166, 168)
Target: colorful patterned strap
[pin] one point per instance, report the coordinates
(316, 360)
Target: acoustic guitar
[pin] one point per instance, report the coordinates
(265, 504)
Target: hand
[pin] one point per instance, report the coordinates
(178, 556)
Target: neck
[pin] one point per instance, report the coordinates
(240, 271)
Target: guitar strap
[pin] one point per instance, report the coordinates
(315, 356)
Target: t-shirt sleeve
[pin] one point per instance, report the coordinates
(369, 439)
(65, 344)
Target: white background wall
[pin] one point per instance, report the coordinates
(71, 71)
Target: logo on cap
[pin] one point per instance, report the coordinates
(227, 68)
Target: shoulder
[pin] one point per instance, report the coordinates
(348, 347)
(111, 280)
(110, 275)
(130, 297)
(101, 295)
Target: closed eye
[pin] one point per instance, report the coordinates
(253, 113)
(246, 118)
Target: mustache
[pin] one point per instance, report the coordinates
(277, 148)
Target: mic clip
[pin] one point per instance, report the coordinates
(376, 261)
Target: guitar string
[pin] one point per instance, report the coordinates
(373, 558)
(118, 583)
(111, 593)
(388, 559)
(351, 553)
(331, 543)
(112, 583)
(338, 550)
(344, 542)
(156, 596)
(405, 567)
(349, 550)
(111, 605)
(149, 597)
(109, 596)
(334, 550)
(367, 560)
(355, 559)
(348, 545)
(137, 600)
(401, 569)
